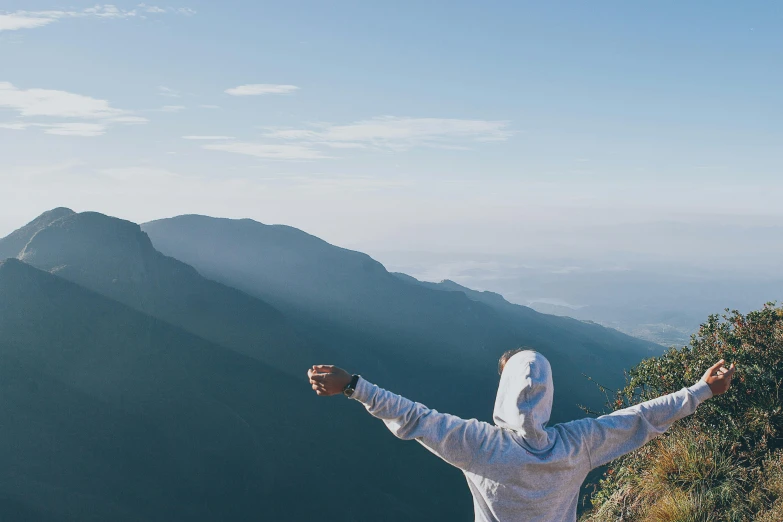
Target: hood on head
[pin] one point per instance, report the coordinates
(524, 400)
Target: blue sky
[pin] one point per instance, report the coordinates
(410, 125)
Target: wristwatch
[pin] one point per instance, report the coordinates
(351, 386)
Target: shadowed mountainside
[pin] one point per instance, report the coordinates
(589, 330)
(111, 414)
(115, 258)
(314, 281)
(435, 344)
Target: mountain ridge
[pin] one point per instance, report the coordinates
(209, 225)
(12, 244)
(332, 287)
(500, 303)
(116, 258)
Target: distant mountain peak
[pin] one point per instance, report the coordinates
(273, 231)
(87, 234)
(14, 243)
(46, 219)
(56, 213)
(297, 246)
(96, 219)
(115, 258)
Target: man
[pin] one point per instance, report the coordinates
(519, 469)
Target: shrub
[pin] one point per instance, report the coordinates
(725, 462)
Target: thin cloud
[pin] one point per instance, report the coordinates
(22, 20)
(131, 120)
(172, 108)
(51, 103)
(209, 106)
(18, 20)
(382, 133)
(269, 151)
(341, 145)
(151, 8)
(62, 129)
(14, 125)
(74, 129)
(259, 89)
(169, 92)
(214, 138)
(398, 133)
(321, 183)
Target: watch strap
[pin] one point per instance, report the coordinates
(351, 386)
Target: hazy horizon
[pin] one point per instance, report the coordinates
(658, 289)
(589, 158)
(521, 129)
(669, 241)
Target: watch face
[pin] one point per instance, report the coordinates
(348, 391)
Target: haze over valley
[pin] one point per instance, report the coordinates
(656, 281)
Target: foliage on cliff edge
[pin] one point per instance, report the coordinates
(725, 462)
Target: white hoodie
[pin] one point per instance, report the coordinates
(519, 469)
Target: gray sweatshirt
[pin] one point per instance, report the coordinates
(519, 469)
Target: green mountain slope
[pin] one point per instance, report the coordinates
(311, 280)
(115, 258)
(435, 346)
(110, 414)
(588, 330)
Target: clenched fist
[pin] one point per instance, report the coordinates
(328, 380)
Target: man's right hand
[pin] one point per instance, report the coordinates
(328, 380)
(719, 377)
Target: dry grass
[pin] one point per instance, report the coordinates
(770, 491)
(683, 477)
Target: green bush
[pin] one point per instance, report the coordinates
(725, 462)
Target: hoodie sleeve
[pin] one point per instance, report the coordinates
(623, 431)
(453, 439)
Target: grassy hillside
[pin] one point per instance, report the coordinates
(725, 462)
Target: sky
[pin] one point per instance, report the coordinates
(402, 126)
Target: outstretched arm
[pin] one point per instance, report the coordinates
(453, 439)
(623, 431)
